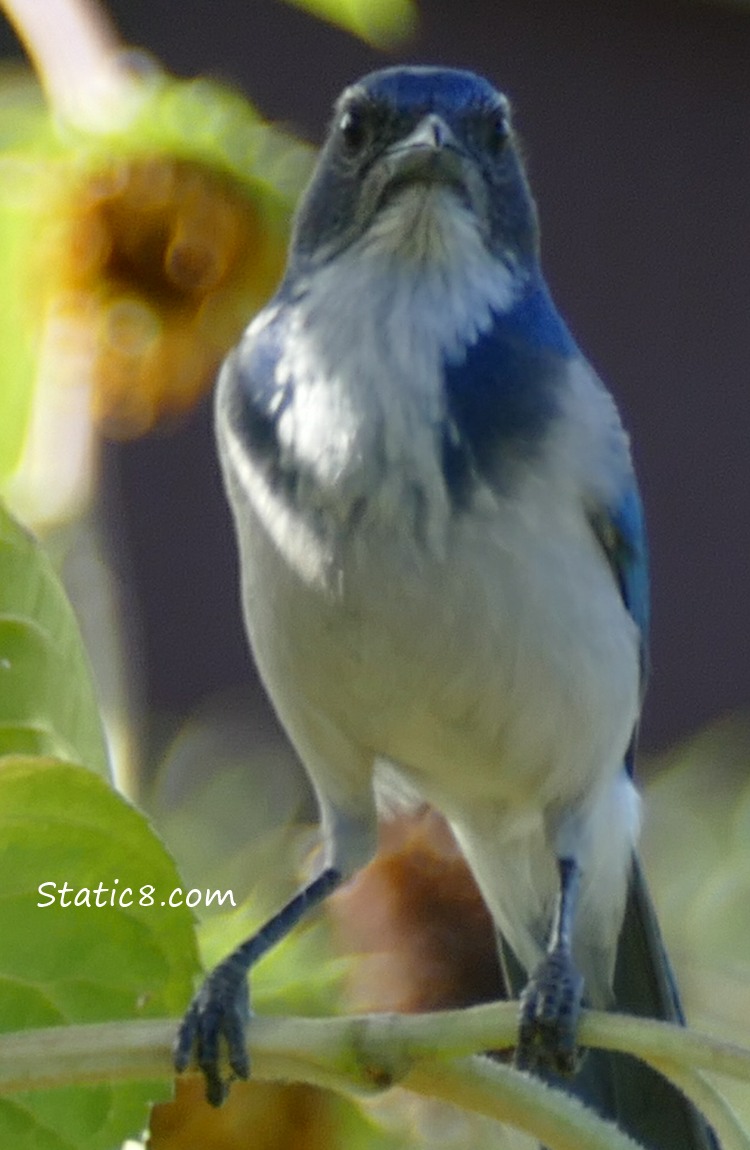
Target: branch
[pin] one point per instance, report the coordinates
(365, 1054)
(557, 1119)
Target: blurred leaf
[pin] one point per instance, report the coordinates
(21, 112)
(47, 700)
(696, 844)
(16, 374)
(696, 841)
(238, 824)
(73, 964)
(382, 23)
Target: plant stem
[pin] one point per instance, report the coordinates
(424, 1053)
(77, 55)
(560, 1121)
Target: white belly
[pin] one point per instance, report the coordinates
(501, 667)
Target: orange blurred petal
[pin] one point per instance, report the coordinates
(415, 918)
(266, 1116)
(168, 261)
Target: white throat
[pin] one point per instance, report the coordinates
(370, 335)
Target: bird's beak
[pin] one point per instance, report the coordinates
(429, 154)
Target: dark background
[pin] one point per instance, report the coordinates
(636, 119)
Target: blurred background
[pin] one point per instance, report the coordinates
(636, 118)
(636, 122)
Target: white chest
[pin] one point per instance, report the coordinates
(506, 655)
(492, 642)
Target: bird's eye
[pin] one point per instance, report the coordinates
(496, 130)
(353, 128)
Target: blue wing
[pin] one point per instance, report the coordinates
(621, 532)
(255, 400)
(501, 391)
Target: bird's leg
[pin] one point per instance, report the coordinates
(551, 1001)
(215, 1024)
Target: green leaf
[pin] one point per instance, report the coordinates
(382, 23)
(87, 963)
(16, 338)
(23, 122)
(47, 700)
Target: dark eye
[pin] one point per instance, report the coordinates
(495, 130)
(354, 130)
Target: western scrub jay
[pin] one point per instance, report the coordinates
(444, 570)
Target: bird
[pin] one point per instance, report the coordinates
(444, 573)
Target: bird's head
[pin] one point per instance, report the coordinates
(410, 151)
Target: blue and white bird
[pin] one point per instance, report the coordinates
(444, 569)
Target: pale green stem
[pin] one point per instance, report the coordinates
(78, 57)
(362, 1054)
(558, 1120)
(661, 1042)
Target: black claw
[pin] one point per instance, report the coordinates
(216, 1089)
(183, 1044)
(214, 1030)
(235, 1033)
(550, 1010)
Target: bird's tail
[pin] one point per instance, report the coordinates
(618, 1086)
(647, 1106)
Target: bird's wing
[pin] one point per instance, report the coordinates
(621, 532)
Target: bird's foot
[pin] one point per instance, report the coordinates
(550, 1011)
(212, 1034)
